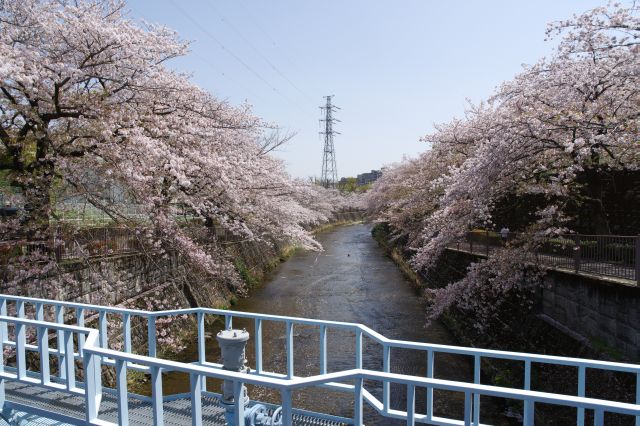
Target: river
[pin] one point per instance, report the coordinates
(351, 280)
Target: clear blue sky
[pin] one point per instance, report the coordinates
(395, 67)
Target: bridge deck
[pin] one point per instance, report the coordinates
(32, 400)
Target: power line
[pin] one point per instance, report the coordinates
(256, 23)
(211, 65)
(257, 51)
(228, 51)
(264, 32)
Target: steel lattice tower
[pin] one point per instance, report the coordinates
(329, 176)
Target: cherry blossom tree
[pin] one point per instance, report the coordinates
(88, 105)
(575, 113)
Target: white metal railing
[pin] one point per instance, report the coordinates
(93, 349)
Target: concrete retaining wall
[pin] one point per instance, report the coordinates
(603, 312)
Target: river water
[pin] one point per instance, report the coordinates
(352, 280)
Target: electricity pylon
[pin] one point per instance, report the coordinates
(329, 175)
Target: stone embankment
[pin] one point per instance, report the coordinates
(570, 317)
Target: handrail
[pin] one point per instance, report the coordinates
(616, 256)
(62, 327)
(346, 375)
(379, 338)
(93, 350)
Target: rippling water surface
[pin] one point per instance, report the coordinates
(352, 281)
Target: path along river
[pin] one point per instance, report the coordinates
(351, 280)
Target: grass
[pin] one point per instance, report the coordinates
(245, 273)
(599, 345)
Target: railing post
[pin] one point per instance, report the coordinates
(386, 367)
(528, 404)
(20, 308)
(103, 323)
(21, 342)
(258, 348)
(476, 397)
(39, 311)
(598, 418)
(201, 339)
(21, 359)
(80, 322)
(358, 406)
(323, 349)
(529, 413)
(238, 402)
(576, 253)
(156, 395)
(430, 372)
(43, 346)
(122, 392)
(411, 405)
(151, 335)
(126, 325)
(69, 360)
(202, 356)
(358, 348)
(289, 343)
(581, 392)
(467, 409)
(91, 386)
(196, 399)
(59, 312)
(287, 409)
(228, 322)
(4, 327)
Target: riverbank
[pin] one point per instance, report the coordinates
(515, 329)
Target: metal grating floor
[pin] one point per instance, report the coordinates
(177, 412)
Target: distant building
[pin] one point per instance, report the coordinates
(367, 178)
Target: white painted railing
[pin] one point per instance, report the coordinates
(92, 347)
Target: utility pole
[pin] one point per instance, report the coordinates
(329, 176)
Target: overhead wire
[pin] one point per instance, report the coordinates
(210, 64)
(263, 30)
(257, 51)
(230, 52)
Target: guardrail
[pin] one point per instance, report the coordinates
(606, 255)
(66, 244)
(93, 349)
